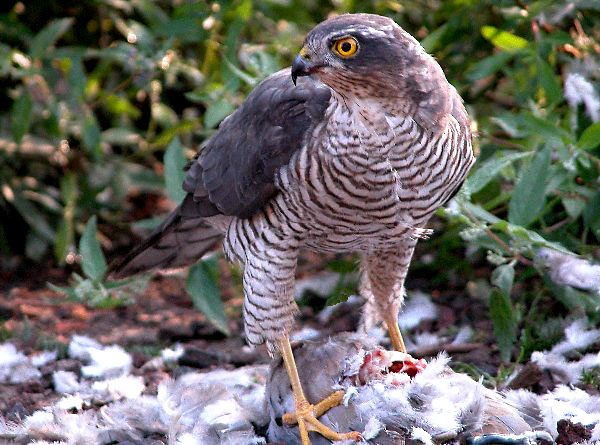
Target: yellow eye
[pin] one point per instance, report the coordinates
(346, 47)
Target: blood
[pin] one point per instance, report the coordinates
(380, 363)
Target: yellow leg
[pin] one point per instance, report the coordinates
(394, 332)
(306, 414)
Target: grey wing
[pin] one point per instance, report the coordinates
(234, 174)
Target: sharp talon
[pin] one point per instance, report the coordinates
(306, 415)
(289, 418)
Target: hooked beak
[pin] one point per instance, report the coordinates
(302, 65)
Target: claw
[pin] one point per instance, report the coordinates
(306, 415)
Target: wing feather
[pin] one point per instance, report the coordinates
(234, 174)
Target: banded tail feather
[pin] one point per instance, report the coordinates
(179, 241)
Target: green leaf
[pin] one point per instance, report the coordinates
(342, 266)
(576, 301)
(488, 66)
(528, 196)
(32, 215)
(590, 138)
(338, 297)
(69, 292)
(244, 10)
(545, 129)
(548, 81)
(533, 238)
(504, 320)
(479, 212)
(202, 286)
(77, 79)
(430, 42)
(164, 115)
(503, 277)
(486, 172)
(92, 136)
(591, 215)
(93, 262)
(48, 36)
(174, 174)
(21, 115)
(118, 105)
(167, 135)
(574, 206)
(503, 39)
(247, 78)
(511, 124)
(216, 112)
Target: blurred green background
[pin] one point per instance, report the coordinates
(103, 101)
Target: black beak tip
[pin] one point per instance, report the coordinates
(300, 67)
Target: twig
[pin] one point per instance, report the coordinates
(501, 242)
(557, 225)
(504, 142)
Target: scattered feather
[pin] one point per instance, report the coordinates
(578, 336)
(124, 387)
(463, 336)
(571, 270)
(43, 358)
(579, 90)
(306, 333)
(107, 361)
(65, 382)
(15, 367)
(172, 354)
(70, 402)
(372, 428)
(421, 435)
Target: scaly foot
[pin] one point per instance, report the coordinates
(394, 332)
(306, 416)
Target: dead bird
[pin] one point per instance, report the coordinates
(391, 397)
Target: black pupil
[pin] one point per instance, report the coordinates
(346, 47)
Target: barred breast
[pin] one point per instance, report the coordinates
(367, 181)
(370, 180)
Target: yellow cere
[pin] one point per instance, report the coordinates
(346, 47)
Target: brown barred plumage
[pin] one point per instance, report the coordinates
(356, 157)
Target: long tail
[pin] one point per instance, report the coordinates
(178, 241)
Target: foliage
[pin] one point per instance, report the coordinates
(93, 290)
(206, 296)
(104, 97)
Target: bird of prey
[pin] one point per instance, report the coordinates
(350, 150)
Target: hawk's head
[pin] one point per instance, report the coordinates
(370, 56)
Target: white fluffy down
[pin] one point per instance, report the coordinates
(15, 367)
(197, 409)
(432, 401)
(222, 407)
(578, 336)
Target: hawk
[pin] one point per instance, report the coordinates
(351, 149)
